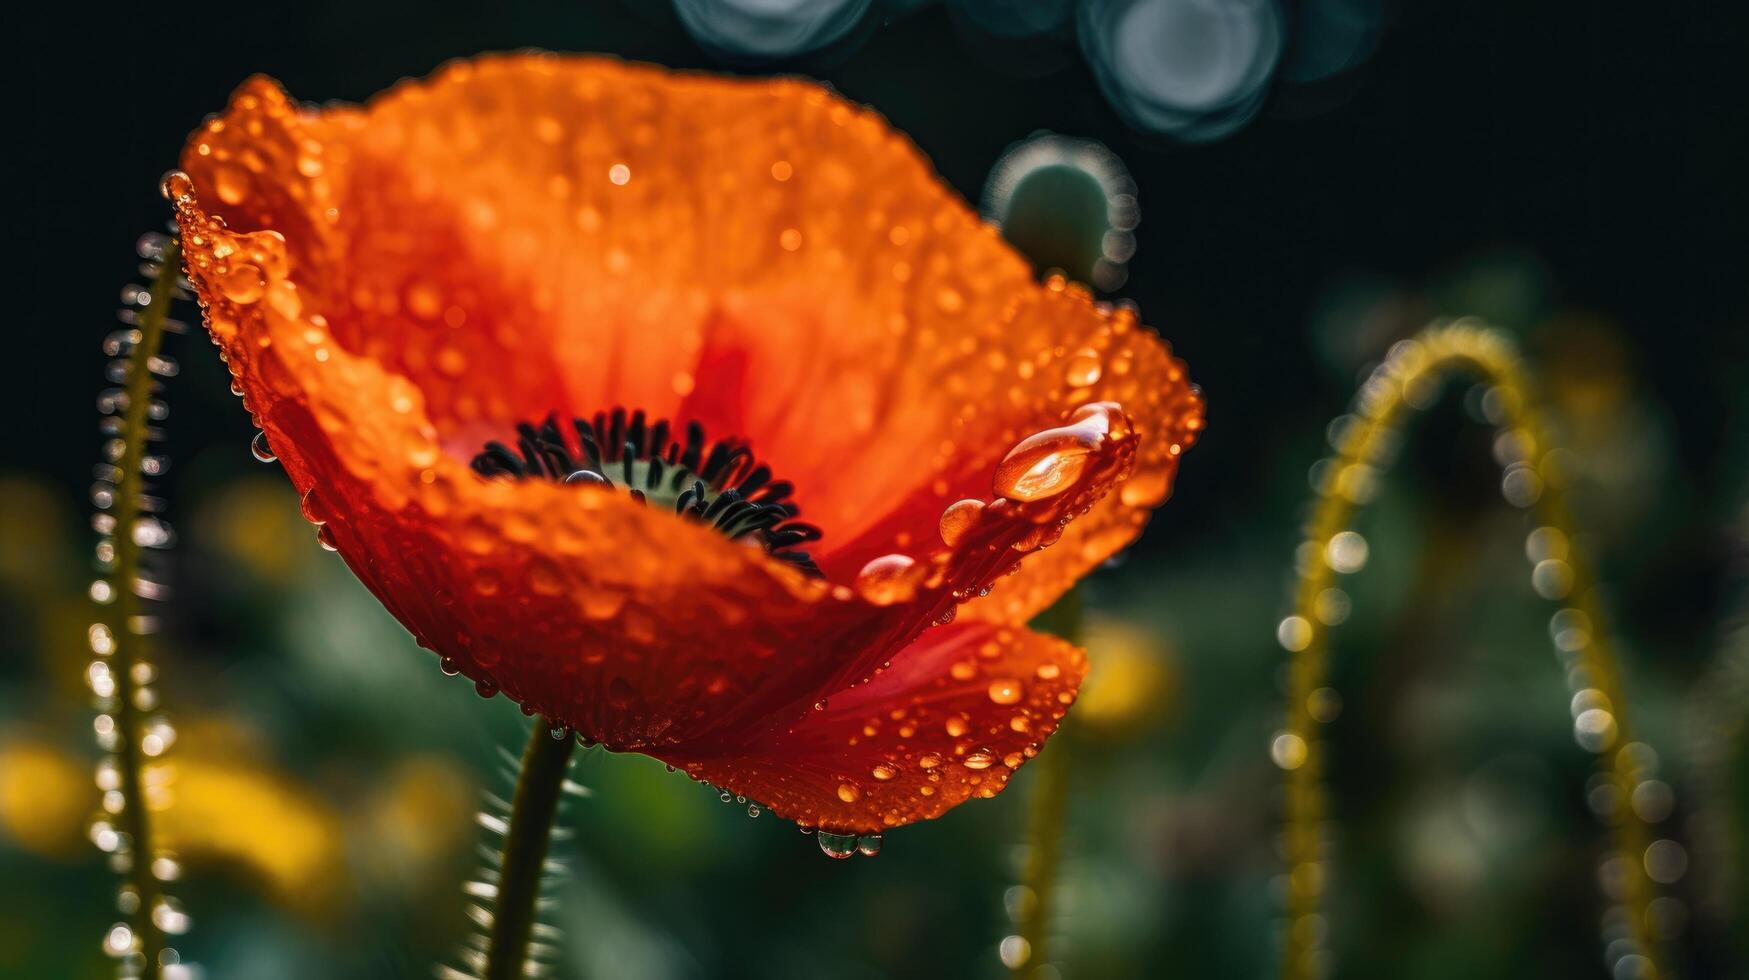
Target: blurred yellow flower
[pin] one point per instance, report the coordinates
(1131, 683)
(254, 523)
(45, 797)
(419, 822)
(210, 807)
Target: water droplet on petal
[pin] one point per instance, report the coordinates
(1084, 368)
(884, 772)
(848, 792)
(980, 759)
(243, 284)
(958, 518)
(176, 186)
(1005, 690)
(888, 579)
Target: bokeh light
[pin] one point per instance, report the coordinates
(768, 28)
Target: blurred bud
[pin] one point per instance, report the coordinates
(1066, 204)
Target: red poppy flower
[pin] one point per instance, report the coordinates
(686, 411)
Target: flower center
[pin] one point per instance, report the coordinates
(718, 483)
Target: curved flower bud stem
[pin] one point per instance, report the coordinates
(1028, 948)
(1410, 378)
(133, 819)
(539, 788)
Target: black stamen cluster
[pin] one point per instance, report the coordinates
(718, 483)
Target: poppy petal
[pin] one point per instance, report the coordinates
(1070, 352)
(957, 712)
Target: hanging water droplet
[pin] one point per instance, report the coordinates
(176, 186)
(486, 687)
(560, 732)
(259, 448)
(449, 667)
(838, 846)
(753, 810)
(325, 538)
(726, 797)
(868, 845)
(313, 508)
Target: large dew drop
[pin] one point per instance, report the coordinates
(1048, 463)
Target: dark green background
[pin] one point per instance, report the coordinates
(1574, 171)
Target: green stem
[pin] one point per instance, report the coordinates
(532, 811)
(1050, 796)
(134, 820)
(1438, 352)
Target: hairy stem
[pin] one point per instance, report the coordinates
(538, 790)
(1044, 835)
(134, 819)
(1407, 380)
